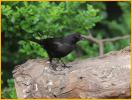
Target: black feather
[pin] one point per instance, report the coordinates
(59, 47)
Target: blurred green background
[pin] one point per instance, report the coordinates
(25, 20)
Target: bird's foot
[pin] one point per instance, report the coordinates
(53, 66)
(65, 66)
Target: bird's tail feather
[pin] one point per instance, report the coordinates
(32, 40)
(35, 40)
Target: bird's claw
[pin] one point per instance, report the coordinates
(66, 66)
(53, 66)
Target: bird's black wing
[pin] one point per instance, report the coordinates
(57, 47)
(63, 48)
(51, 43)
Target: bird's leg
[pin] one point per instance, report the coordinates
(50, 60)
(58, 60)
(64, 65)
(52, 64)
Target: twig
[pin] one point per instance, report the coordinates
(91, 38)
(101, 42)
(116, 38)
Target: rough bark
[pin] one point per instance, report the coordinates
(102, 77)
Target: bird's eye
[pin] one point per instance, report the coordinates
(78, 36)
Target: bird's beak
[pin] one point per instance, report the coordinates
(82, 37)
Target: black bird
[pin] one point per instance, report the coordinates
(60, 47)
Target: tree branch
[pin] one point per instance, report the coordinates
(116, 38)
(101, 42)
(103, 77)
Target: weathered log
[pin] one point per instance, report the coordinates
(102, 77)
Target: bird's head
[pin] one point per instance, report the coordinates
(73, 38)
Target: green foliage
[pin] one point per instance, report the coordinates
(25, 20)
(120, 26)
(22, 21)
(9, 92)
(115, 27)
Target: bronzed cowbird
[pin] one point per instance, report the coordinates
(59, 47)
